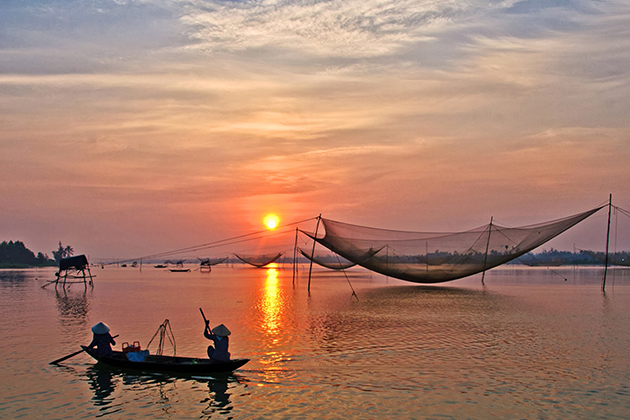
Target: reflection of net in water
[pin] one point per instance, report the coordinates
(423, 257)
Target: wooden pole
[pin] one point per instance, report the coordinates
(607, 244)
(485, 259)
(295, 255)
(90, 273)
(310, 269)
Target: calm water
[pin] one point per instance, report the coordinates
(526, 345)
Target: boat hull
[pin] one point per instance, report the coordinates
(169, 364)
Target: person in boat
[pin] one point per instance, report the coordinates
(219, 336)
(102, 339)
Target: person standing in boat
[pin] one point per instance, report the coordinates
(219, 336)
(102, 339)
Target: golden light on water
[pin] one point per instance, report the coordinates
(271, 303)
(273, 319)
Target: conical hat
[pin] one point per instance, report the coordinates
(100, 328)
(221, 330)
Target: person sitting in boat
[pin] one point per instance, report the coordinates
(102, 339)
(219, 336)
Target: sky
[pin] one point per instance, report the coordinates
(132, 127)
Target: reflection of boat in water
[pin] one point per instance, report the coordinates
(176, 364)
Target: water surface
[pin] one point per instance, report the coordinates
(528, 344)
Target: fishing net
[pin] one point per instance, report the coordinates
(616, 258)
(207, 262)
(164, 333)
(216, 261)
(430, 257)
(260, 260)
(325, 261)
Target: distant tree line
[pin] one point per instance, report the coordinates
(17, 255)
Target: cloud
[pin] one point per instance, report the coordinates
(229, 107)
(343, 29)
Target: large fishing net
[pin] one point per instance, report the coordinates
(430, 257)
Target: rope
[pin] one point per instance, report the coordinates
(222, 242)
(344, 273)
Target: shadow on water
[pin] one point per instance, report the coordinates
(389, 323)
(412, 291)
(114, 388)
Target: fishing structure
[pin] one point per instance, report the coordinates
(418, 257)
(76, 267)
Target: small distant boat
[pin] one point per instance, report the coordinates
(173, 364)
(179, 268)
(160, 266)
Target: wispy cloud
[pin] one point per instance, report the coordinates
(342, 29)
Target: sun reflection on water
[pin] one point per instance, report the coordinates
(272, 305)
(274, 317)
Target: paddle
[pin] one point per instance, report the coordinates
(54, 362)
(204, 317)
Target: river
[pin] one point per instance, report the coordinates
(531, 343)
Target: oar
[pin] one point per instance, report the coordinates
(54, 362)
(204, 317)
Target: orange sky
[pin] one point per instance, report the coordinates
(133, 127)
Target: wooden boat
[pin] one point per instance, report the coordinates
(173, 364)
(179, 268)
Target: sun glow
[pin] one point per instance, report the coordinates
(271, 221)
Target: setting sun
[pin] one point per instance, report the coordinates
(271, 221)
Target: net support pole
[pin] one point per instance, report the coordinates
(607, 244)
(310, 269)
(295, 255)
(485, 258)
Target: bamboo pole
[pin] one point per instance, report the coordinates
(310, 269)
(485, 259)
(607, 244)
(295, 255)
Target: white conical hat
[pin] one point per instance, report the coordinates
(221, 330)
(100, 328)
